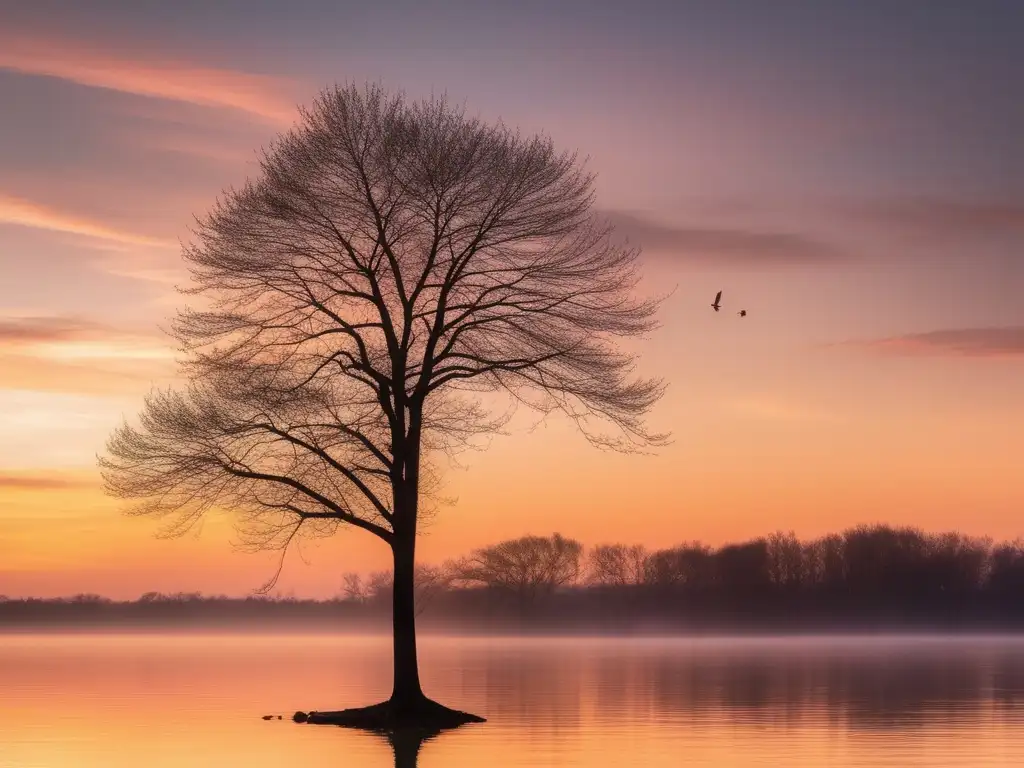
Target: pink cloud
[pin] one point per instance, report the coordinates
(947, 218)
(26, 213)
(998, 342)
(37, 482)
(67, 354)
(724, 246)
(36, 330)
(161, 78)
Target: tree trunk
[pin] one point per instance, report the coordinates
(408, 709)
(406, 692)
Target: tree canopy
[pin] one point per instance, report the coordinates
(390, 265)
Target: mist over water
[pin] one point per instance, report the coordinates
(196, 700)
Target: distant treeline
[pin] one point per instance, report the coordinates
(868, 577)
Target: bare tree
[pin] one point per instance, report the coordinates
(786, 559)
(392, 263)
(430, 581)
(380, 585)
(617, 565)
(354, 589)
(688, 565)
(528, 567)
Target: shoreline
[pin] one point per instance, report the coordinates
(382, 635)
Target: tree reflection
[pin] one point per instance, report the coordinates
(406, 743)
(854, 683)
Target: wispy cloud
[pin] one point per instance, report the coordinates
(261, 95)
(56, 430)
(945, 218)
(33, 330)
(722, 245)
(65, 354)
(54, 481)
(72, 338)
(25, 213)
(98, 377)
(997, 342)
(154, 274)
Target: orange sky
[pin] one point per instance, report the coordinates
(868, 212)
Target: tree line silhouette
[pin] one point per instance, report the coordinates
(867, 577)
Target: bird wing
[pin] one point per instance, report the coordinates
(718, 297)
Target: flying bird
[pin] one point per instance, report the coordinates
(718, 302)
(742, 313)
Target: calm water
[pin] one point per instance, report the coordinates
(196, 700)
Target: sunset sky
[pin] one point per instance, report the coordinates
(853, 177)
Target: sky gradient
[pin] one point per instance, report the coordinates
(851, 174)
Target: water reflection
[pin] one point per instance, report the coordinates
(405, 745)
(863, 685)
(197, 701)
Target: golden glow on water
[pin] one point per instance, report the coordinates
(196, 700)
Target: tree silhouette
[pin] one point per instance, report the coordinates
(929, 580)
(428, 580)
(690, 566)
(617, 565)
(392, 264)
(529, 567)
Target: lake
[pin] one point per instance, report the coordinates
(196, 700)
